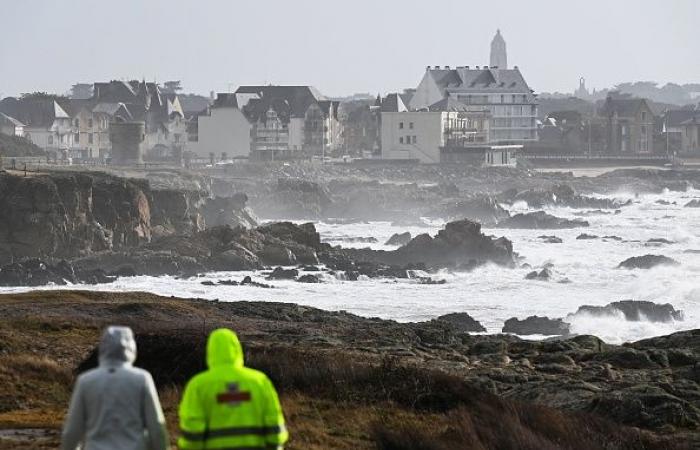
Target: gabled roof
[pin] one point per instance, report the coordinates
(393, 103)
(4, 118)
(286, 101)
(675, 117)
(625, 107)
(39, 113)
(567, 116)
(465, 79)
(448, 104)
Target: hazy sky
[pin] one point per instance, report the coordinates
(342, 47)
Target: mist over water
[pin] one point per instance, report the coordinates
(584, 273)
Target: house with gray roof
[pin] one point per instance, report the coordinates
(11, 126)
(44, 121)
(629, 125)
(504, 92)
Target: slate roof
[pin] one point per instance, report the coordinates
(393, 103)
(463, 79)
(286, 101)
(40, 113)
(10, 120)
(675, 117)
(570, 117)
(624, 107)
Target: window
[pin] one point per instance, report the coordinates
(644, 128)
(77, 123)
(644, 115)
(503, 98)
(401, 140)
(90, 138)
(410, 125)
(89, 123)
(400, 125)
(76, 138)
(50, 140)
(415, 139)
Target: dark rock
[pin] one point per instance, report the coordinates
(647, 262)
(280, 273)
(627, 358)
(462, 322)
(659, 241)
(208, 283)
(399, 239)
(551, 239)
(544, 275)
(484, 210)
(635, 311)
(540, 220)
(308, 278)
(585, 236)
(693, 203)
(247, 281)
(536, 325)
(429, 280)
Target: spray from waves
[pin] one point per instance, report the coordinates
(613, 328)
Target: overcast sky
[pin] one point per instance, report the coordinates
(342, 47)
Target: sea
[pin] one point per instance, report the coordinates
(584, 271)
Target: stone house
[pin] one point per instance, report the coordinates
(629, 125)
(45, 122)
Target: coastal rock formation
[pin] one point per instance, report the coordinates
(540, 220)
(34, 272)
(634, 310)
(536, 325)
(399, 239)
(76, 214)
(482, 209)
(462, 322)
(558, 195)
(647, 262)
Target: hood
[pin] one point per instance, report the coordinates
(117, 346)
(224, 349)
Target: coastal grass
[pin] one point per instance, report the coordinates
(332, 398)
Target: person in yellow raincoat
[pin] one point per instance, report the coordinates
(230, 406)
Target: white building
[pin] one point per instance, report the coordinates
(504, 92)
(223, 129)
(46, 123)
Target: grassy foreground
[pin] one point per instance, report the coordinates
(333, 397)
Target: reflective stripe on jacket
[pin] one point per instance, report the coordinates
(230, 406)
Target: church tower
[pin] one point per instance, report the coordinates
(498, 51)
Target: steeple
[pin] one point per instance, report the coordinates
(498, 51)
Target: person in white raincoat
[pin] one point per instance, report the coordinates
(115, 406)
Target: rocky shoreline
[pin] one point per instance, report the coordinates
(651, 384)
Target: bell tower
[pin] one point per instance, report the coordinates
(498, 51)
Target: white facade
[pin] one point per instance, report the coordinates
(224, 130)
(414, 135)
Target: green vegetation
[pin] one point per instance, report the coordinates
(18, 146)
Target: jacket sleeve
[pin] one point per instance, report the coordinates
(193, 424)
(273, 418)
(74, 426)
(153, 417)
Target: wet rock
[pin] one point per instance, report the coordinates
(659, 241)
(551, 239)
(627, 358)
(634, 310)
(612, 238)
(280, 273)
(559, 195)
(540, 220)
(586, 236)
(543, 275)
(308, 278)
(247, 281)
(36, 272)
(399, 239)
(647, 262)
(693, 203)
(429, 280)
(462, 322)
(536, 325)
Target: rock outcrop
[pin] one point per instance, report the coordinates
(647, 262)
(540, 220)
(634, 310)
(462, 322)
(536, 325)
(399, 239)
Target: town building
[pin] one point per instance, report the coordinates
(121, 101)
(680, 127)
(447, 132)
(222, 130)
(503, 92)
(283, 122)
(44, 122)
(629, 125)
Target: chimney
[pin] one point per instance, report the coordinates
(515, 67)
(447, 67)
(466, 67)
(427, 68)
(436, 67)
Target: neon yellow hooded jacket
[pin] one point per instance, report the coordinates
(230, 406)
